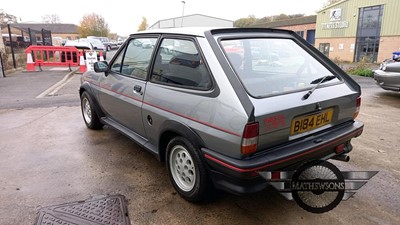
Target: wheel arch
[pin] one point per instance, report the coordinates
(171, 129)
(86, 87)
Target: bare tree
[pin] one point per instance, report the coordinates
(93, 25)
(51, 18)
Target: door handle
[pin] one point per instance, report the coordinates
(137, 89)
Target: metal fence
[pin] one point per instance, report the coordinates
(1, 67)
(16, 43)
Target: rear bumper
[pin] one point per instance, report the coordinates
(387, 80)
(240, 175)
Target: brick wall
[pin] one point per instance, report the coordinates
(387, 46)
(302, 27)
(341, 49)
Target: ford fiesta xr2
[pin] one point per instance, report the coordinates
(221, 105)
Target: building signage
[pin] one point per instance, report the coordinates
(335, 25)
(335, 17)
(335, 14)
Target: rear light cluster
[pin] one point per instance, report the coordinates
(358, 105)
(250, 139)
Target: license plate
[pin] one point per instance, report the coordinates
(310, 122)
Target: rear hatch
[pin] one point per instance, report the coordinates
(295, 93)
(289, 117)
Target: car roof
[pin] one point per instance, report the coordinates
(78, 44)
(200, 31)
(90, 40)
(195, 31)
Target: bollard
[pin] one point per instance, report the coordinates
(30, 66)
(101, 56)
(82, 64)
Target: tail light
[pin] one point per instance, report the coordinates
(358, 105)
(250, 139)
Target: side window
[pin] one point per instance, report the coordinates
(179, 63)
(134, 61)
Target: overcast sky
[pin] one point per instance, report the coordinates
(124, 17)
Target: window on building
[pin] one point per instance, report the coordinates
(324, 48)
(368, 33)
(300, 33)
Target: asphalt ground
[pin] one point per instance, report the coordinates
(50, 87)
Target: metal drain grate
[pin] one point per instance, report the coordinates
(110, 210)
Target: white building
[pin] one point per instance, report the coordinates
(195, 20)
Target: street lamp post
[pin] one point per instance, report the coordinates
(183, 12)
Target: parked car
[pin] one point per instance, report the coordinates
(147, 43)
(120, 41)
(105, 41)
(114, 44)
(218, 118)
(388, 75)
(71, 56)
(97, 46)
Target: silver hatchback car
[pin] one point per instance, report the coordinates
(219, 106)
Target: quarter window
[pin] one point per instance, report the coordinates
(179, 63)
(135, 60)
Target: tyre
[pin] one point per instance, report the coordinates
(89, 114)
(187, 171)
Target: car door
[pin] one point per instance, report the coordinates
(123, 87)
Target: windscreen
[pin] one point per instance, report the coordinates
(272, 66)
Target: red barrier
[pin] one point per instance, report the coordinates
(59, 56)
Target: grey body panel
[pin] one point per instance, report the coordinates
(121, 102)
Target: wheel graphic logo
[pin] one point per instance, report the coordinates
(318, 186)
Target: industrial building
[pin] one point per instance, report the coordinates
(195, 20)
(303, 26)
(351, 30)
(359, 30)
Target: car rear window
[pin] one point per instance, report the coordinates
(271, 66)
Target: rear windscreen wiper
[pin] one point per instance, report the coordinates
(318, 81)
(323, 79)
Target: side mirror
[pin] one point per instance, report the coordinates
(100, 67)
